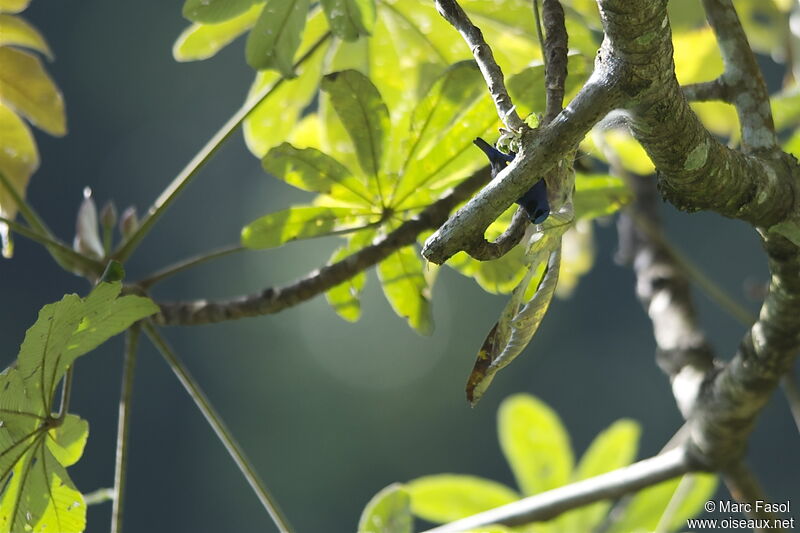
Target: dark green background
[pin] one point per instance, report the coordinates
(329, 412)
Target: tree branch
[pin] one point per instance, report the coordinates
(742, 77)
(274, 299)
(606, 486)
(491, 71)
(555, 50)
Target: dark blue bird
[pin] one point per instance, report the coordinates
(534, 202)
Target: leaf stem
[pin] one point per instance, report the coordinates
(58, 250)
(98, 496)
(123, 427)
(27, 211)
(216, 423)
(66, 392)
(201, 158)
(188, 263)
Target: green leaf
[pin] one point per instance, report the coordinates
(276, 36)
(272, 121)
(405, 285)
(303, 222)
(577, 256)
(365, 117)
(499, 276)
(647, 507)
(13, 6)
(786, 108)
(449, 497)
(214, 11)
(789, 229)
(630, 153)
(18, 161)
(37, 494)
(345, 297)
(696, 56)
(527, 87)
(201, 41)
(67, 441)
(311, 170)
(350, 19)
(598, 195)
(15, 31)
(387, 512)
(613, 448)
(26, 87)
(519, 321)
(535, 444)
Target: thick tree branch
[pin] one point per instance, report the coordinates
(491, 71)
(695, 170)
(742, 76)
(274, 299)
(607, 486)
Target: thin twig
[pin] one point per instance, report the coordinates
(484, 250)
(199, 160)
(25, 209)
(491, 71)
(743, 76)
(274, 299)
(537, 20)
(60, 252)
(745, 488)
(552, 503)
(216, 423)
(123, 426)
(95, 497)
(66, 392)
(555, 48)
(707, 91)
(186, 264)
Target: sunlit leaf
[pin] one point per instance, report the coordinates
(16, 31)
(350, 19)
(527, 87)
(387, 512)
(402, 276)
(275, 118)
(214, 11)
(345, 297)
(696, 56)
(13, 6)
(535, 444)
(629, 152)
(365, 117)
(577, 256)
(598, 195)
(18, 160)
(26, 87)
(201, 41)
(449, 497)
(303, 222)
(614, 448)
(648, 505)
(719, 117)
(35, 447)
(311, 170)
(276, 36)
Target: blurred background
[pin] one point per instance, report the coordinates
(328, 412)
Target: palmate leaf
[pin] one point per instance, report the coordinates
(387, 512)
(365, 117)
(350, 19)
(276, 36)
(448, 497)
(345, 297)
(407, 288)
(304, 222)
(214, 11)
(201, 41)
(18, 161)
(15, 31)
(35, 446)
(26, 87)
